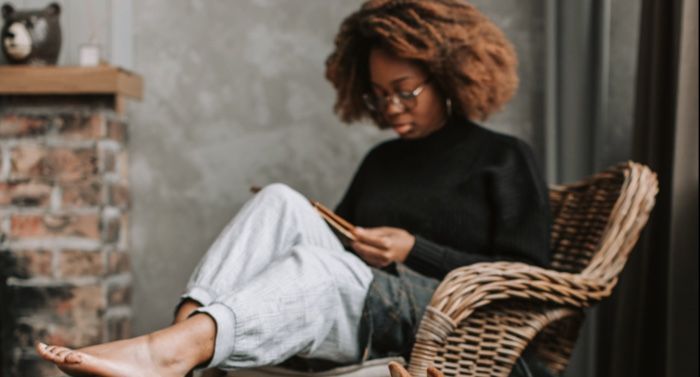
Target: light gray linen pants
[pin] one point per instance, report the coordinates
(278, 283)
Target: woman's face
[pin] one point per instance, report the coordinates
(392, 76)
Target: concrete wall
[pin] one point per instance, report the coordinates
(235, 95)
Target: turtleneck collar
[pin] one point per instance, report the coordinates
(452, 133)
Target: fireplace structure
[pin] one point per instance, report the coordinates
(64, 211)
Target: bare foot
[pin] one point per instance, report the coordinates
(396, 370)
(171, 352)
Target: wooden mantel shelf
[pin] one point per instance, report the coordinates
(104, 80)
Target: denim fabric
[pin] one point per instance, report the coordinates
(395, 304)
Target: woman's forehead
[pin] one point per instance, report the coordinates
(387, 69)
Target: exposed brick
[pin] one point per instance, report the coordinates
(49, 226)
(119, 328)
(77, 126)
(26, 331)
(82, 194)
(118, 262)
(29, 194)
(108, 160)
(123, 165)
(13, 125)
(26, 264)
(124, 231)
(74, 263)
(5, 197)
(34, 367)
(53, 164)
(62, 315)
(119, 295)
(27, 161)
(118, 196)
(68, 165)
(112, 228)
(116, 130)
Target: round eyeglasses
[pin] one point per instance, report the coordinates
(406, 99)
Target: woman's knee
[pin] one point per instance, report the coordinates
(281, 192)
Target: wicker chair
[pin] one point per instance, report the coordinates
(483, 316)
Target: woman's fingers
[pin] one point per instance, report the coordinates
(371, 237)
(371, 255)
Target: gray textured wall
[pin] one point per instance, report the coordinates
(235, 95)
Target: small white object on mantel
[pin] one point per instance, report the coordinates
(89, 55)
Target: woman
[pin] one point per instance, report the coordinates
(278, 285)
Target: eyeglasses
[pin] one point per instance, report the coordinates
(407, 100)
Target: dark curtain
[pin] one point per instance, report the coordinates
(635, 325)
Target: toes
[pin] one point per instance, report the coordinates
(397, 370)
(62, 352)
(74, 358)
(433, 372)
(59, 355)
(45, 351)
(41, 349)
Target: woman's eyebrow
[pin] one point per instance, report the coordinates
(395, 81)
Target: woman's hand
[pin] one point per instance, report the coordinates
(381, 246)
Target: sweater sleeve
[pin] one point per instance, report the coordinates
(435, 260)
(520, 228)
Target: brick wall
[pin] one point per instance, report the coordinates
(64, 206)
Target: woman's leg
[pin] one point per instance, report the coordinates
(173, 351)
(185, 309)
(264, 230)
(279, 252)
(307, 304)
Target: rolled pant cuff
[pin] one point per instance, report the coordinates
(199, 294)
(225, 320)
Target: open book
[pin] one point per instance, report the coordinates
(338, 223)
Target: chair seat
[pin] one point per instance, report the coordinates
(371, 368)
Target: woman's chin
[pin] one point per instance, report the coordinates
(404, 130)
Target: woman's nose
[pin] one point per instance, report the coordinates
(394, 106)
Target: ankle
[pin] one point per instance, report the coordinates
(164, 356)
(186, 344)
(186, 308)
(205, 342)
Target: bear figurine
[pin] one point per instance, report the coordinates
(31, 37)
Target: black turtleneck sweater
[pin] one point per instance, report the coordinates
(466, 193)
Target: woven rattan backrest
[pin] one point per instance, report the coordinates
(594, 220)
(479, 321)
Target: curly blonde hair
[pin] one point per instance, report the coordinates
(468, 57)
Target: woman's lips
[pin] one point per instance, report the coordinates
(402, 128)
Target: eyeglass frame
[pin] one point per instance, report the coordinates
(395, 98)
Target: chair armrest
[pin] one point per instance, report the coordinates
(467, 288)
